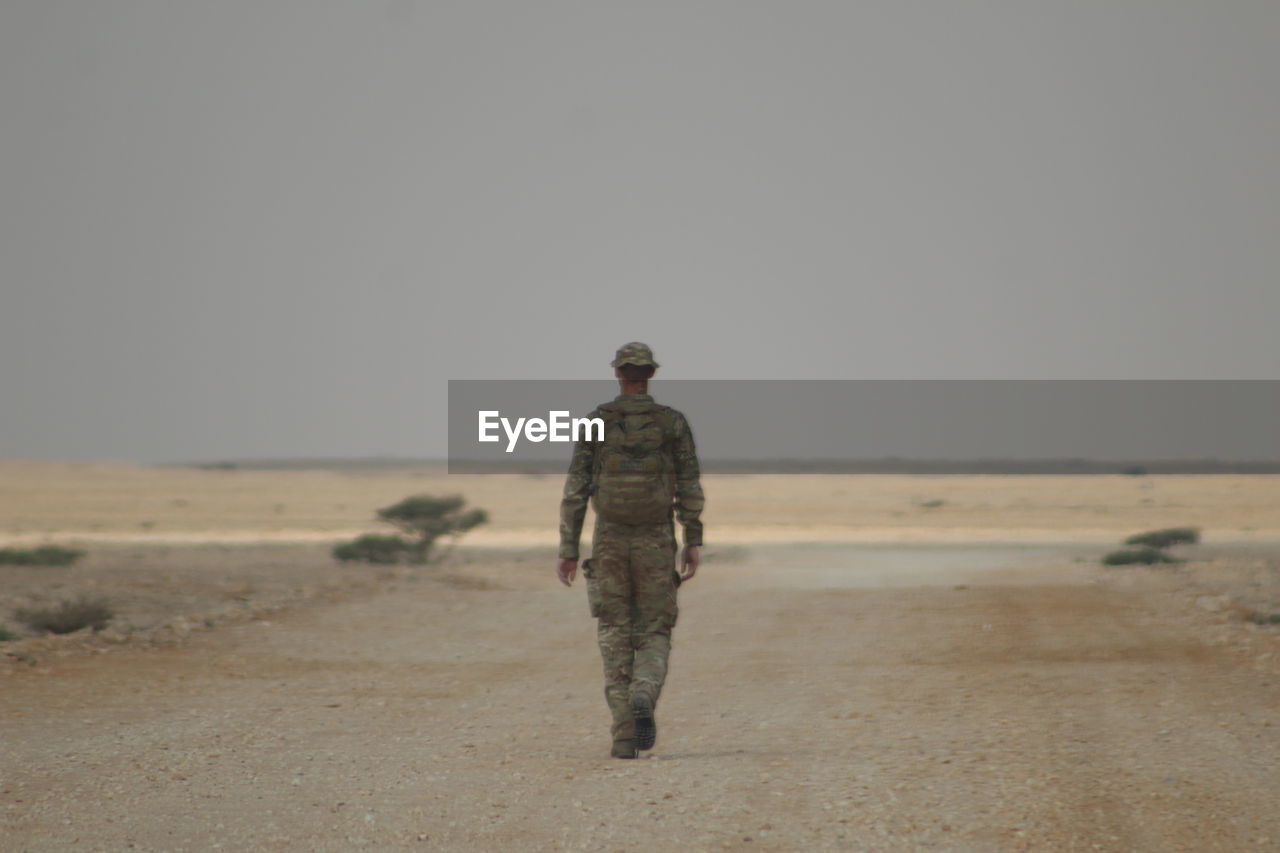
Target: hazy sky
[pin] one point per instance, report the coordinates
(264, 228)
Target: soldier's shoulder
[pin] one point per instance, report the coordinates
(668, 409)
(675, 416)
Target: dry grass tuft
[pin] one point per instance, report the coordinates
(1246, 613)
(68, 616)
(45, 555)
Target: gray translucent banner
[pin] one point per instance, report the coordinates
(909, 426)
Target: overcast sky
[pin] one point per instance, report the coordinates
(276, 228)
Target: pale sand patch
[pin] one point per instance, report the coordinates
(724, 536)
(110, 502)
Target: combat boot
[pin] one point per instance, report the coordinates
(646, 726)
(625, 748)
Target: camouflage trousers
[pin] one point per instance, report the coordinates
(632, 592)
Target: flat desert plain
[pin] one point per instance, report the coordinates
(864, 662)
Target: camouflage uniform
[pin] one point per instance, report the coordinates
(631, 583)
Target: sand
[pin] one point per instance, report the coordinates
(852, 670)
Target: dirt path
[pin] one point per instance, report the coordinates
(811, 705)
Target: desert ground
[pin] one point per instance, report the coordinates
(864, 662)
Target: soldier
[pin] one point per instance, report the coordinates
(644, 471)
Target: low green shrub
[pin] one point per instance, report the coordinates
(1137, 556)
(423, 519)
(371, 548)
(6, 635)
(45, 555)
(67, 617)
(426, 518)
(1166, 538)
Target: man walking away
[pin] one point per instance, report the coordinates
(644, 472)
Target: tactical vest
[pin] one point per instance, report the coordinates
(635, 474)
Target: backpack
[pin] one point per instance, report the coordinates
(635, 476)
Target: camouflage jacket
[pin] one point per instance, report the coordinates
(578, 485)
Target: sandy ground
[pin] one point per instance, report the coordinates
(1001, 700)
(964, 694)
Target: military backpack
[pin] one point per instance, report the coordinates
(634, 480)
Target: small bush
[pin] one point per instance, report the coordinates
(1248, 613)
(67, 617)
(371, 548)
(1137, 556)
(6, 635)
(1165, 538)
(426, 518)
(45, 555)
(423, 519)
(933, 504)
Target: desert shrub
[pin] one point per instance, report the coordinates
(6, 635)
(67, 616)
(371, 548)
(426, 518)
(1248, 613)
(1165, 538)
(45, 555)
(1256, 616)
(423, 519)
(1137, 556)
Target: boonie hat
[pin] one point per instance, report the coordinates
(634, 353)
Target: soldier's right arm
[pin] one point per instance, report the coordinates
(577, 491)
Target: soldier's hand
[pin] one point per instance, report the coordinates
(689, 561)
(566, 570)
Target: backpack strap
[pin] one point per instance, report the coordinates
(611, 416)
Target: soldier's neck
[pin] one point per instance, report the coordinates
(633, 387)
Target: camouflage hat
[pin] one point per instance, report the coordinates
(634, 353)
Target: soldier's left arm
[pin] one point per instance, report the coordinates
(689, 497)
